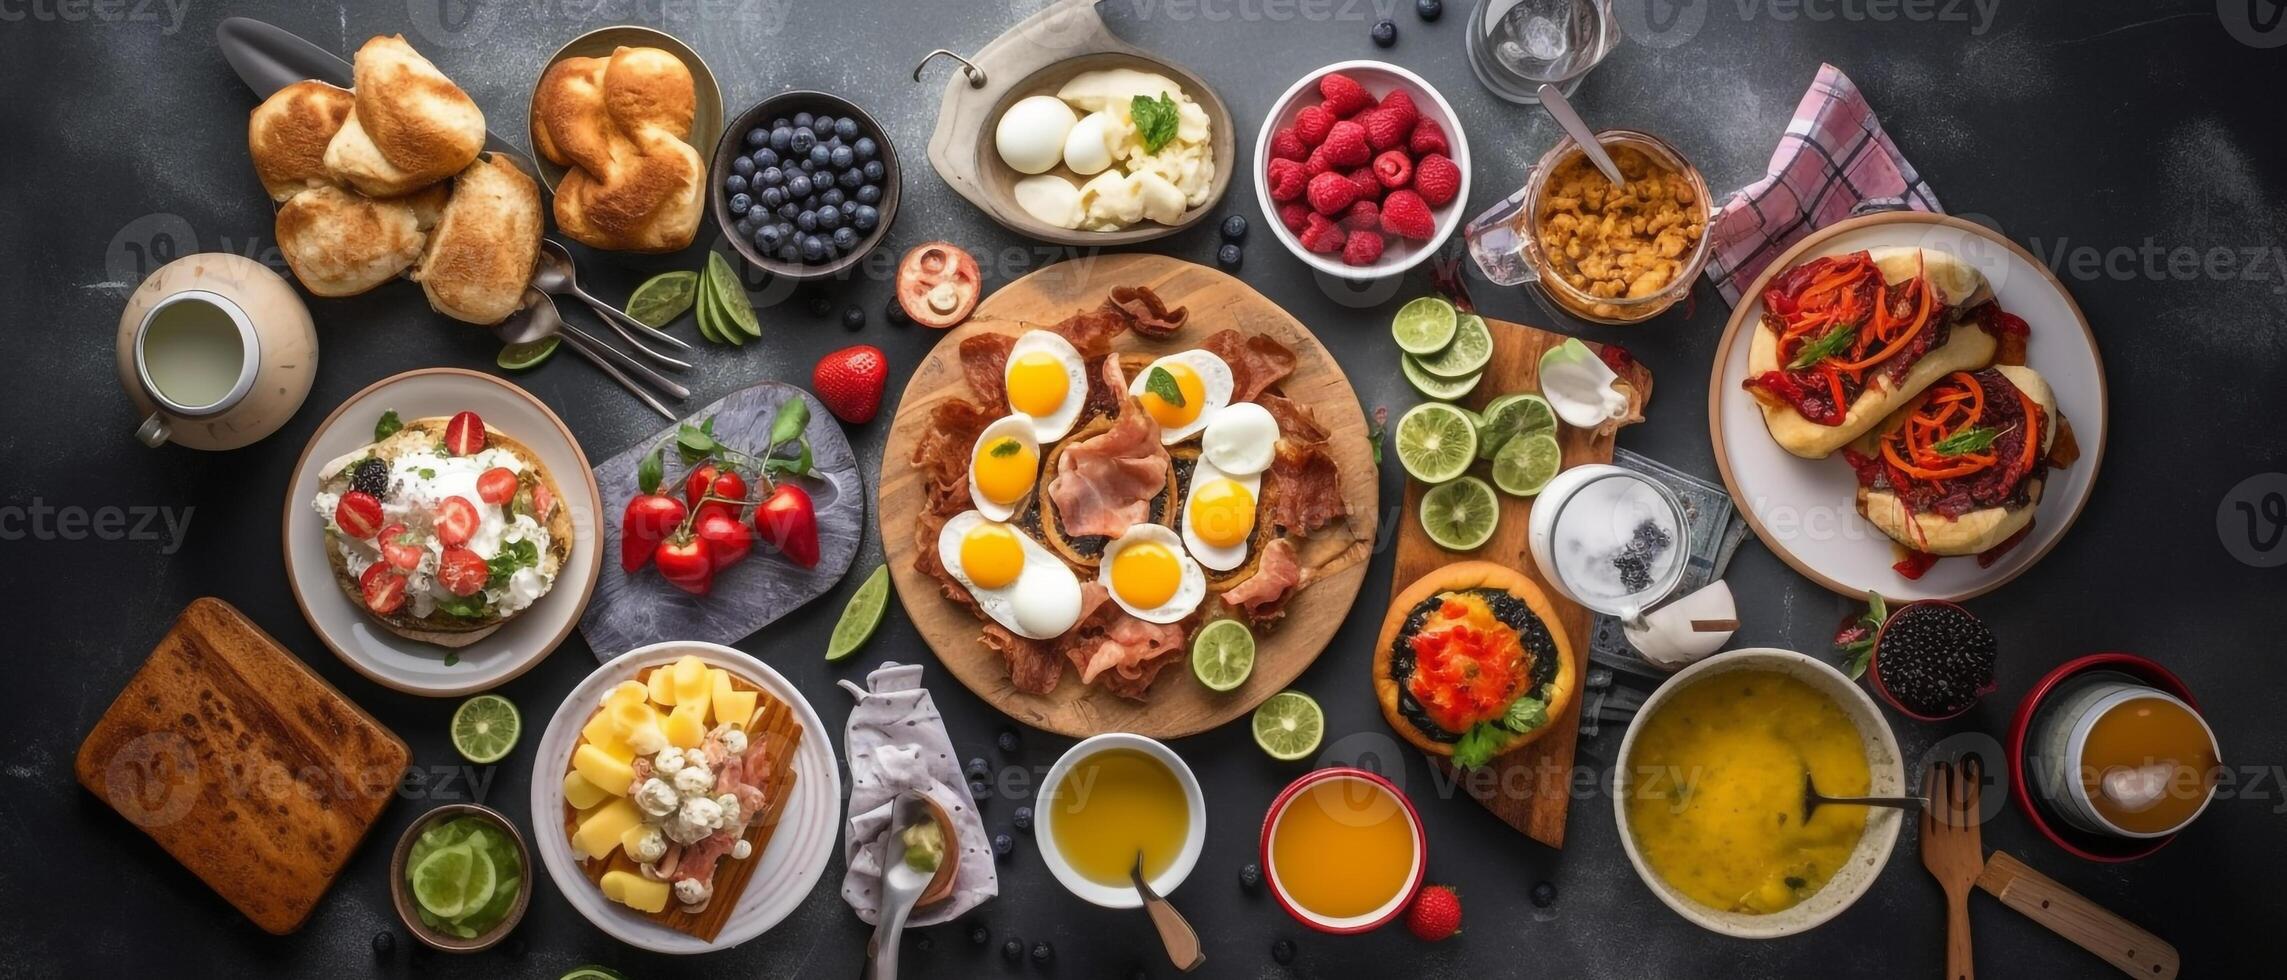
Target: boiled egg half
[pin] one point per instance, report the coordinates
(1183, 392)
(1047, 383)
(1015, 580)
(1147, 573)
(1003, 466)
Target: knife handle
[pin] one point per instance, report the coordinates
(2068, 914)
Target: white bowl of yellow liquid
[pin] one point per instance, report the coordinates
(1709, 788)
(1109, 797)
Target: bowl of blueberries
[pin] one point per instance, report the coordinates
(805, 184)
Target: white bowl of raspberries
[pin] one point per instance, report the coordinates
(1364, 169)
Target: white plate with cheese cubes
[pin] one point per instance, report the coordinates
(785, 871)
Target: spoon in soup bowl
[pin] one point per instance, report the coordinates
(1176, 934)
(1813, 799)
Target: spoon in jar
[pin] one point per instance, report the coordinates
(1560, 110)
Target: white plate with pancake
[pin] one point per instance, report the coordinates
(1804, 509)
(790, 864)
(359, 639)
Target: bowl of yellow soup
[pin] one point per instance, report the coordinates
(1709, 792)
(1108, 798)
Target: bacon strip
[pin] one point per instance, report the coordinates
(1146, 313)
(984, 361)
(1262, 597)
(1257, 361)
(942, 456)
(1033, 666)
(1296, 423)
(1105, 483)
(1309, 488)
(1123, 653)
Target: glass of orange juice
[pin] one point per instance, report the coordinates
(1344, 850)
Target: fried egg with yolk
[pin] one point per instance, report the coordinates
(1003, 466)
(1148, 574)
(1183, 392)
(1047, 383)
(1016, 581)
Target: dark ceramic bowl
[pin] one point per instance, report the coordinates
(401, 890)
(733, 145)
(1874, 667)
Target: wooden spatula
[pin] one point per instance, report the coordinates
(1951, 851)
(2136, 952)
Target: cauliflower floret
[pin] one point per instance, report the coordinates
(734, 741)
(646, 740)
(692, 891)
(657, 798)
(695, 778)
(698, 818)
(669, 761)
(730, 805)
(741, 850)
(650, 846)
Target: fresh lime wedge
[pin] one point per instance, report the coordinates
(485, 728)
(1461, 515)
(861, 615)
(663, 298)
(1436, 441)
(1509, 416)
(441, 881)
(711, 325)
(527, 355)
(1223, 654)
(1289, 725)
(730, 297)
(1526, 463)
(1470, 351)
(1424, 326)
(592, 972)
(1442, 389)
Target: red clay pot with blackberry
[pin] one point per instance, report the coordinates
(1932, 660)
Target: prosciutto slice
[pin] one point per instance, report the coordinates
(984, 361)
(1033, 665)
(1309, 487)
(1105, 483)
(1116, 651)
(1257, 362)
(1146, 313)
(1261, 598)
(1296, 423)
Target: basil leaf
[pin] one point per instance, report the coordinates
(1525, 714)
(452, 658)
(1161, 383)
(389, 425)
(1155, 120)
(1818, 350)
(1005, 448)
(789, 421)
(512, 556)
(649, 472)
(1975, 439)
(694, 439)
(1475, 748)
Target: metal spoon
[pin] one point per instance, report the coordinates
(556, 274)
(538, 319)
(1813, 799)
(901, 885)
(1577, 128)
(1174, 933)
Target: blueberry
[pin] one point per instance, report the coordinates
(769, 177)
(823, 126)
(1041, 951)
(803, 119)
(1003, 845)
(384, 943)
(1013, 950)
(832, 197)
(767, 239)
(782, 140)
(821, 305)
(828, 218)
(852, 179)
(922, 943)
(1385, 32)
(741, 204)
(1283, 951)
(1022, 818)
(976, 768)
(765, 157)
(895, 313)
(821, 156)
(807, 221)
(846, 239)
(980, 935)
(800, 185)
(1006, 740)
(757, 137)
(868, 194)
(846, 128)
(742, 166)
(875, 171)
(805, 164)
(866, 147)
(842, 157)
(789, 210)
(789, 253)
(1428, 9)
(744, 226)
(803, 139)
(979, 790)
(865, 218)
(734, 183)
(853, 317)
(1250, 876)
(813, 248)
(1544, 895)
(1229, 255)
(772, 197)
(1235, 228)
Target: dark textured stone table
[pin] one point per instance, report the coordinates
(2122, 142)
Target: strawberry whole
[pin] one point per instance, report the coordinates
(1352, 172)
(1435, 914)
(850, 382)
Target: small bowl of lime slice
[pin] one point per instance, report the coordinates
(461, 877)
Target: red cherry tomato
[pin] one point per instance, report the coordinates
(400, 548)
(464, 434)
(462, 572)
(696, 482)
(496, 485)
(789, 522)
(383, 588)
(456, 520)
(686, 562)
(543, 500)
(649, 517)
(728, 540)
(358, 515)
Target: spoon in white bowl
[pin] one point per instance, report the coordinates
(1174, 933)
(1577, 128)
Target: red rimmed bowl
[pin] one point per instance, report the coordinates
(2045, 815)
(1874, 664)
(1380, 915)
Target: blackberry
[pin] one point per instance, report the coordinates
(1934, 659)
(371, 476)
(1250, 876)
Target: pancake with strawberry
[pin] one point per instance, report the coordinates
(1472, 663)
(443, 529)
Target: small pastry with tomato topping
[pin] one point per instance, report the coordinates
(443, 529)
(1472, 663)
(1846, 339)
(1959, 469)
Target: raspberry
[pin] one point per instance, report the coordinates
(1312, 123)
(1362, 248)
(1393, 169)
(1330, 193)
(1285, 179)
(1285, 145)
(1437, 178)
(1399, 106)
(1346, 145)
(1317, 163)
(1369, 186)
(1427, 138)
(1295, 215)
(1405, 215)
(1362, 215)
(1384, 131)
(1344, 95)
(1321, 235)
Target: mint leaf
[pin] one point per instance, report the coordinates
(1525, 714)
(388, 425)
(1824, 347)
(1155, 120)
(1005, 448)
(1975, 439)
(694, 441)
(512, 556)
(1161, 383)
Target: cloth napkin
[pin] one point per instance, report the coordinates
(895, 741)
(1834, 162)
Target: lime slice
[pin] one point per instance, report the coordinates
(1289, 725)
(711, 323)
(1436, 441)
(663, 298)
(485, 728)
(1223, 654)
(1526, 463)
(730, 297)
(592, 972)
(1461, 515)
(1470, 351)
(1443, 389)
(1512, 415)
(861, 615)
(1424, 326)
(524, 356)
(441, 881)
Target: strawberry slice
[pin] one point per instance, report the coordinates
(358, 515)
(383, 588)
(462, 572)
(456, 520)
(543, 501)
(464, 434)
(400, 548)
(496, 485)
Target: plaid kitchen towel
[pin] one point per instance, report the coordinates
(1835, 161)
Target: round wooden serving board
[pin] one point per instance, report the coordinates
(1334, 558)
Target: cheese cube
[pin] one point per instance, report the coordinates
(637, 725)
(736, 707)
(635, 891)
(690, 683)
(687, 724)
(599, 832)
(607, 773)
(663, 685)
(580, 793)
(626, 692)
(634, 835)
(718, 684)
(603, 733)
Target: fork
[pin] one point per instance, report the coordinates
(1951, 849)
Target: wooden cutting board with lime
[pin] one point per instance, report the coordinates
(1478, 446)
